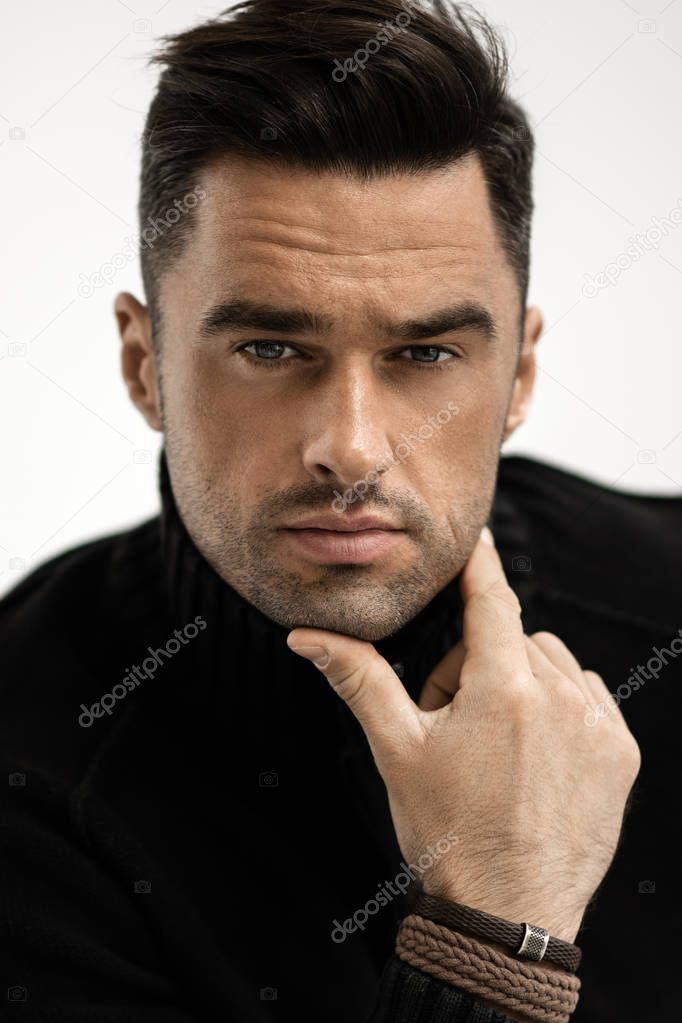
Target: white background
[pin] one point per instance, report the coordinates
(602, 84)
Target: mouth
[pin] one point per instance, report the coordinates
(343, 546)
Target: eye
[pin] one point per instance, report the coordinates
(428, 355)
(266, 353)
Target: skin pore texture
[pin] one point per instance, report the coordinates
(258, 438)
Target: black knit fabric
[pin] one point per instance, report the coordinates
(410, 996)
(185, 857)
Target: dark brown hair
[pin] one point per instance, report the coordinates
(299, 82)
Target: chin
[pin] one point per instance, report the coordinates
(353, 622)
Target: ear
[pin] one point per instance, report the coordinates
(525, 371)
(138, 359)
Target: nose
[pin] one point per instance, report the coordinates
(347, 439)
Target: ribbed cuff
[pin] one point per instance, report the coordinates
(407, 995)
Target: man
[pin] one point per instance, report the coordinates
(335, 346)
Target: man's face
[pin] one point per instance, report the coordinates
(390, 397)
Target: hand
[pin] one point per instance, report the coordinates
(497, 752)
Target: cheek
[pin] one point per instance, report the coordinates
(219, 408)
(241, 445)
(455, 470)
(474, 431)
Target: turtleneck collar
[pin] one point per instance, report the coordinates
(240, 642)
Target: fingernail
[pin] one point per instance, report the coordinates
(317, 654)
(487, 536)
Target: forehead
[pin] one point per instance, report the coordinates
(288, 232)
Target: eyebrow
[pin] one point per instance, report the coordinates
(247, 315)
(465, 316)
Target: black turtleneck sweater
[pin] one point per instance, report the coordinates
(184, 857)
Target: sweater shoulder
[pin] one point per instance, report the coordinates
(77, 573)
(68, 631)
(593, 545)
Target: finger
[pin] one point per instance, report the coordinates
(366, 682)
(492, 633)
(558, 653)
(543, 670)
(562, 658)
(603, 700)
(443, 682)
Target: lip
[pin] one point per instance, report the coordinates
(342, 547)
(338, 523)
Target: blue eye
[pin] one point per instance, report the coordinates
(271, 355)
(267, 354)
(267, 349)
(428, 354)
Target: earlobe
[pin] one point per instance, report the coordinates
(138, 358)
(525, 371)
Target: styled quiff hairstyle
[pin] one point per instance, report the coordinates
(366, 88)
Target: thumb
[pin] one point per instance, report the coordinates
(366, 682)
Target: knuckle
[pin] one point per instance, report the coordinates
(517, 696)
(348, 681)
(544, 636)
(624, 755)
(517, 683)
(549, 642)
(631, 755)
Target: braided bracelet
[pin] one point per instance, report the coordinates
(527, 990)
(523, 940)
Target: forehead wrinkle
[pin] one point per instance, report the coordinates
(365, 273)
(277, 232)
(269, 239)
